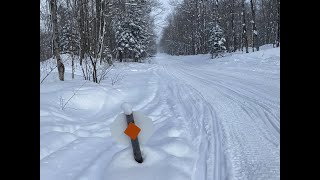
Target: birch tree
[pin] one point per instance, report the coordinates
(60, 66)
(278, 23)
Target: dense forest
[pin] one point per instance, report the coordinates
(99, 27)
(97, 32)
(215, 26)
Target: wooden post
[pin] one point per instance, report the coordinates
(135, 143)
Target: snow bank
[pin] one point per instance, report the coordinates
(157, 165)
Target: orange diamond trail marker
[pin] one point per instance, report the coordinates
(130, 127)
(132, 131)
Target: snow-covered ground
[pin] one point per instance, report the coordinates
(213, 119)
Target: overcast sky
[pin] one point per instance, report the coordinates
(161, 19)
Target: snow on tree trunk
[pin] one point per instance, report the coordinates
(244, 28)
(278, 23)
(233, 29)
(254, 28)
(53, 9)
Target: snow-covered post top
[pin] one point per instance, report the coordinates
(126, 108)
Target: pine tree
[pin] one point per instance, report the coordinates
(217, 41)
(68, 36)
(131, 32)
(127, 38)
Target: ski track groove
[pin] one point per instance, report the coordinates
(215, 169)
(253, 108)
(253, 102)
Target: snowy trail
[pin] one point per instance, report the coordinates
(214, 120)
(199, 119)
(246, 110)
(201, 112)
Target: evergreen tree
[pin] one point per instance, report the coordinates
(217, 41)
(131, 32)
(68, 36)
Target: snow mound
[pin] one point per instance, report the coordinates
(156, 165)
(127, 108)
(52, 141)
(89, 98)
(177, 148)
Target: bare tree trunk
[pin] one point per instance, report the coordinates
(87, 70)
(73, 69)
(254, 28)
(53, 8)
(102, 30)
(120, 56)
(82, 36)
(99, 34)
(95, 42)
(244, 28)
(234, 38)
(87, 27)
(94, 70)
(278, 23)
(263, 12)
(81, 28)
(216, 17)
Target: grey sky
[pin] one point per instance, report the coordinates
(161, 19)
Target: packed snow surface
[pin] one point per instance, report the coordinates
(214, 119)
